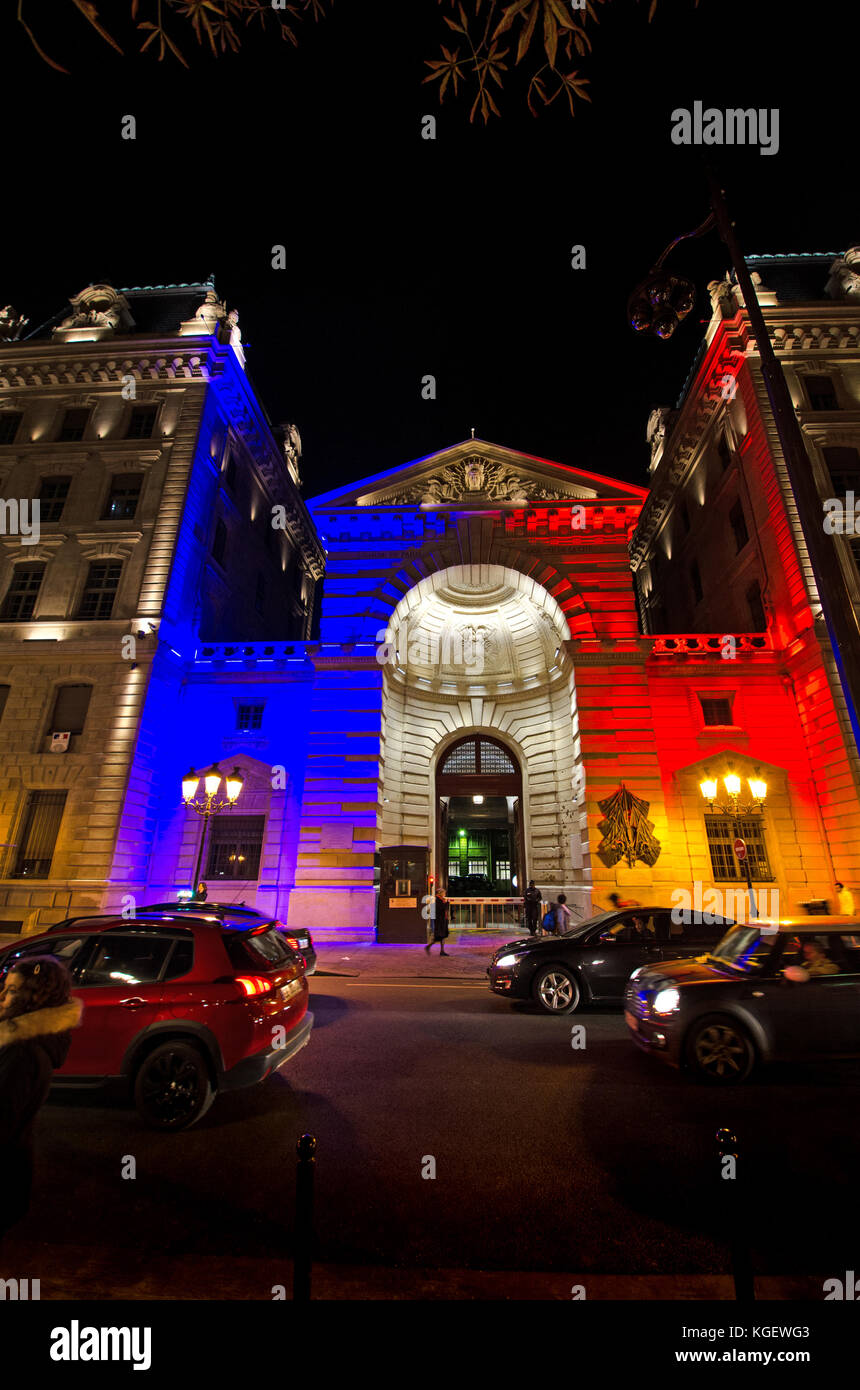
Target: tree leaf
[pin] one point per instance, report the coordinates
(527, 34)
(550, 35)
(89, 12)
(510, 15)
(561, 14)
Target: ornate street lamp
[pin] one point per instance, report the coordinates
(732, 806)
(209, 805)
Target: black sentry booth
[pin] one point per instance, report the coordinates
(403, 913)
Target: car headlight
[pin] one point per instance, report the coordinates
(505, 961)
(666, 1001)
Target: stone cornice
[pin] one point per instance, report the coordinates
(106, 545)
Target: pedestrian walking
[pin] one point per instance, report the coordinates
(533, 900)
(562, 915)
(440, 923)
(37, 1015)
(617, 903)
(846, 900)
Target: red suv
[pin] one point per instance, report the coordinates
(178, 1006)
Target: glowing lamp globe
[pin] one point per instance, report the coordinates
(212, 780)
(234, 785)
(708, 789)
(189, 784)
(733, 784)
(758, 787)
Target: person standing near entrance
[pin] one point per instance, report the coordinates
(562, 915)
(440, 923)
(846, 900)
(533, 900)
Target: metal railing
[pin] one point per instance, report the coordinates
(486, 914)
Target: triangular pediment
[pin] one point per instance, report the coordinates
(478, 474)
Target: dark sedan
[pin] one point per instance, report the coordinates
(766, 993)
(593, 961)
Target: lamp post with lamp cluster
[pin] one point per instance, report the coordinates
(732, 806)
(210, 804)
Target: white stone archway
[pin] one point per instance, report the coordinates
(482, 648)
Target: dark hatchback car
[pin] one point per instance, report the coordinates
(593, 961)
(297, 938)
(765, 993)
(177, 1006)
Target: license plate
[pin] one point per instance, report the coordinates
(631, 1020)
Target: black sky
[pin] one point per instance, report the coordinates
(408, 257)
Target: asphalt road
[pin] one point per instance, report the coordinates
(546, 1157)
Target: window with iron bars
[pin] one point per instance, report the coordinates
(722, 832)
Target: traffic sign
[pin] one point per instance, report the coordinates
(740, 848)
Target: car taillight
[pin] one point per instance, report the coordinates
(254, 984)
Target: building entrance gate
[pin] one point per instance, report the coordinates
(480, 853)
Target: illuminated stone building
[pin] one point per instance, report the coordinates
(130, 418)
(480, 692)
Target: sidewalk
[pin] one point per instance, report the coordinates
(80, 1273)
(469, 954)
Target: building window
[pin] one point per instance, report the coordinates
(503, 870)
(716, 711)
(39, 834)
(696, 581)
(22, 593)
(722, 831)
(821, 393)
(756, 608)
(249, 717)
(230, 473)
(685, 517)
(235, 847)
(141, 421)
(219, 542)
(725, 453)
(737, 521)
(74, 425)
(453, 868)
(843, 464)
(260, 594)
(124, 495)
(100, 589)
(477, 866)
(70, 709)
(9, 422)
(52, 498)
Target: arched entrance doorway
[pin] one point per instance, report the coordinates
(479, 839)
(479, 652)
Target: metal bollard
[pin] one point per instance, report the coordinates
(733, 1206)
(304, 1223)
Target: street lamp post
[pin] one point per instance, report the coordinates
(210, 805)
(657, 305)
(732, 807)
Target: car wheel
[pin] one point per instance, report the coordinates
(556, 990)
(173, 1088)
(720, 1051)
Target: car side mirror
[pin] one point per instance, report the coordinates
(796, 973)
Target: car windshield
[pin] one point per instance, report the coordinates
(745, 947)
(587, 926)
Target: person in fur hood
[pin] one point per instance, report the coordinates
(37, 1015)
